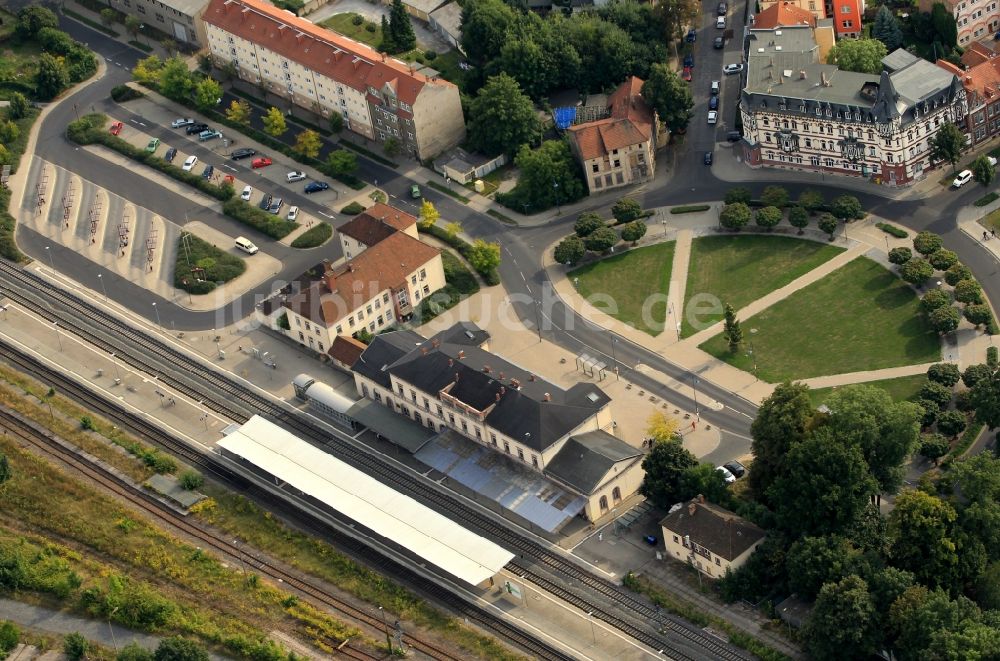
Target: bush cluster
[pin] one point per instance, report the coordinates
(122, 93)
(491, 277)
(460, 282)
(262, 221)
(892, 230)
(353, 209)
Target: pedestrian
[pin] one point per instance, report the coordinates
(993, 232)
(985, 236)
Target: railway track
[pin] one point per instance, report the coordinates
(551, 570)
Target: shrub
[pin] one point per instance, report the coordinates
(934, 299)
(463, 247)
(690, 208)
(191, 479)
(87, 423)
(370, 27)
(943, 259)
(992, 357)
(9, 637)
(75, 646)
(892, 230)
(357, 19)
(900, 256)
(738, 194)
(353, 209)
(944, 373)
(989, 198)
(262, 221)
(314, 237)
(122, 93)
(430, 55)
(587, 224)
(199, 266)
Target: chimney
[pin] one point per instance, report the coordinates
(498, 397)
(451, 362)
(461, 355)
(456, 377)
(802, 74)
(548, 397)
(423, 350)
(692, 508)
(503, 391)
(486, 368)
(701, 498)
(531, 377)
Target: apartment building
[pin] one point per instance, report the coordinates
(373, 225)
(620, 149)
(181, 19)
(379, 97)
(801, 114)
(975, 19)
(981, 80)
(788, 15)
(709, 538)
(847, 16)
(453, 383)
(816, 8)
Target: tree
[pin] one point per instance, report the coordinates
(983, 171)
(782, 422)
(945, 320)
(169, 45)
(824, 486)
(735, 216)
(978, 314)
(9, 637)
(570, 250)
(946, 374)
(810, 200)
(943, 259)
(706, 480)
(861, 55)
(587, 223)
(916, 271)
(973, 374)
(132, 24)
(207, 94)
(108, 16)
(945, 28)
(33, 18)
(175, 79)
(985, 399)
(774, 196)
(549, 175)
(934, 446)
(428, 213)
(342, 162)
(935, 299)
(798, 217)
(392, 146)
(846, 208)
(626, 210)
(134, 652)
(669, 96)
(951, 423)
(927, 243)
(947, 144)
(969, 291)
(841, 625)
(768, 217)
(900, 256)
(956, 273)
(75, 646)
(179, 649)
(827, 223)
(18, 106)
(814, 561)
(148, 70)
(731, 329)
(452, 230)
(308, 143)
(51, 78)
(936, 393)
(661, 427)
(634, 231)
(403, 38)
(486, 26)
(8, 131)
(920, 527)
(886, 29)
(387, 45)
(738, 194)
(274, 122)
(483, 256)
(665, 466)
(191, 480)
(239, 112)
(501, 118)
(4, 468)
(336, 121)
(601, 239)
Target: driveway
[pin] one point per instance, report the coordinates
(373, 11)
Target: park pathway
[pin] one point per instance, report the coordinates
(678, 282)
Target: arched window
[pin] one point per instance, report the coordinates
(604, 504)
(616, 495)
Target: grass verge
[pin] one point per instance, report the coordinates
(314, 236)
(631, 287)
(447, 191)
(200, 266)
(903, 388)
(991, 221)
(860, 317)
(738, 270)
(989, 198)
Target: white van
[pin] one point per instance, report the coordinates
(720, 22)
(246, 245)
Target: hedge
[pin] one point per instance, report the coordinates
(122, 93)
(987, 199)
(91, 129)
(316, 236)
(897, 232)
(219, 266)
(691, 208)
(262, 221)
(964, 443)
(353, 209)
(992, 357)
(491, 277)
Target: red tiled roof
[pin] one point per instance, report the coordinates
(346, 350)
(977, 53)
(783, 14)
(351, 285)
(345, 60)
(981, 81)
(630, 123)
(376, 223)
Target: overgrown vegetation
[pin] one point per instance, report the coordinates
(460, 283)
(200, 266)
(314, 236)
(468, 250)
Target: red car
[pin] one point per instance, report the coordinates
(262, 162)
(116, 128)
(686, 74)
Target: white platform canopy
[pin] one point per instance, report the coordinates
(388, 513)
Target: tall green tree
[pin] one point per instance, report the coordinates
(945, 28)
(33, 18)
(342, 161)
(530, 65)
(983, 171)
(732, 330)
(841, 625)
(920, 615)
(549, 176)
(486, 26)
(706, 480)
(570, 250)
(207, 94)
(274, 122)
(846, 208)
(502, 118)
(782, 422)
(18, 106)
(308, 143)
(175, 79)
(886, 29)
(403, 38)
(947, 144)
(665, 466)
(815, 561)
(336, 121)
(669, 96)
(626, 210)
(132, 24)
(921, 528)
(52, 77)
(387, 45)
(735, 216)
(861, 55)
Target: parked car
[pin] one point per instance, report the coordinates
(734, 136)
(195, 128)
(964, 177)
(265, 202)
(415, 192)
(247, 192)
(153, 144)
(708, 158)
(720, 23)
(181, 123)
(189, 163)
(689, 60)
(170, 155)
(736, 468)
(713, 117)
(726, 475)
(719, 43)
(730, 69)
(293, 213)
(261, 162)
(245, 152)
(275, 205)
(209, 134)
(116, 128)
(992, 161)
(713, 103)
(686, 74)
(208, 172)
(692, 36)
(714, 89)
(316, 186)
(295, 175)
(722, 9)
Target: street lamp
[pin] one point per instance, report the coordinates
(614, 358)
(388, 640)
(51, 262)
(157, 311)
(555, 185)
(100, 279)
(694, 386)
(111, 628)
(593, 631)
(58, 334)
(753, 356)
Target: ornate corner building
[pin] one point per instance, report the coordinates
(801, 114)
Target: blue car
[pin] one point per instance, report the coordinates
(316, 186)
(713, 103)
(692, 36)
(208, 172)
(689, 60)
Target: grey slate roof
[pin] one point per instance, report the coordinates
(584, 461)
(714, 528)
(384, 350)
(898, 59)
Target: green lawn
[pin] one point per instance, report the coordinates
(860, 317)
(991, 221)
(343, 24)
(19, 62)
(200, 265)
(624, 283)
(740, 269)
(900, 389)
